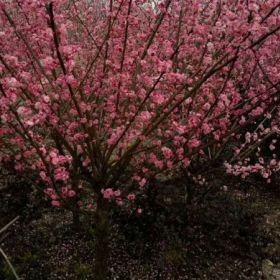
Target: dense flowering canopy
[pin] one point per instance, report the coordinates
(95, 94)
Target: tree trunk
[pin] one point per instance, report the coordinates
(102, 232)
(76, 220)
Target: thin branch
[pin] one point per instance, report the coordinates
(8, 225)
(270, 13)
(9, 264)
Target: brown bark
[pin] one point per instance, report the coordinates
(102, 232)
(76, 220)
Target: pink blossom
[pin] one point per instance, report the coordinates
(55, 203)
(46, 98)
(13, 82)
(256, 112)
(159, 164)
(43, 175)
(107, 193)
(167, 152)
(186, 162)
(142, 103)
(55, 161)
(49, 191)
(86, 162)
(119, 202)
(131, 197)
(206, 128)
(142, 182)
(117, 193)
(169, 164)
(48, 62)
(53, 196)
(61, 174)
(194, 143)
(271, 147)
(71, 193)
(64, 191)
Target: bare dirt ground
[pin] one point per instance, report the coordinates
(234, 233)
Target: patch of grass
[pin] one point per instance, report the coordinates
(28, 259)
(6, 273)
(174, 256)
(82, 270)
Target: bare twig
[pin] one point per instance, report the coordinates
(3, 253)
(9, 264)
(9, 224)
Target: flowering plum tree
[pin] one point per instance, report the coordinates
(97, 97)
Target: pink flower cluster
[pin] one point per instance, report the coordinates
(170, 83)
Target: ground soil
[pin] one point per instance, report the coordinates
(226, 235)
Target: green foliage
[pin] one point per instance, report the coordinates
(28, 259)
(6, 273)
(82, 270)
(174, 256)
